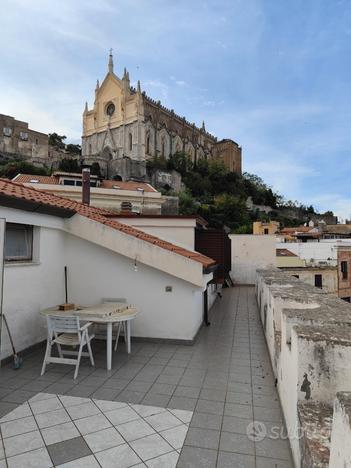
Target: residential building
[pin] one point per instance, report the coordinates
(107, 194)
(265, 228)
(286, 258)
(323, 277)
(18, 140)
(344, 271)
(104, 258)
(124, 128)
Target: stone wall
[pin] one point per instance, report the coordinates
(308, 335)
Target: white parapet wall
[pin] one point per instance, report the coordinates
(250, 252)
(340, 446)
(308, 335)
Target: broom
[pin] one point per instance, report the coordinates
(17, 360)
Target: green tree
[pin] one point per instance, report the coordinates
(73, 149)
(57, 140)
(69, 165)
(10, 170)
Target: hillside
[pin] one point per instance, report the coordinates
(221, 196)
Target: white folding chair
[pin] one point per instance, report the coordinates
(66, 331)
(120, 325)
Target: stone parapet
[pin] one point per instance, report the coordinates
(308, 334)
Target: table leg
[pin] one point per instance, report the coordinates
(109, 345)
(128, 335)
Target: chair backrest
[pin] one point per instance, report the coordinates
(63, 323)
(114, 299)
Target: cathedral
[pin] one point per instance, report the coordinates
(125, 128)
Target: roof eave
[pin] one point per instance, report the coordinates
(34, 206)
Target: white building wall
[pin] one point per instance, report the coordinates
(318, 251)
(180, 231)
(250, 252)
(95, 272)
(340, 447)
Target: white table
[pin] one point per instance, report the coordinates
(107, 313)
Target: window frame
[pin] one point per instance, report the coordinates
(23, 136)
(321, 281)
(344, 267)
(12, 259)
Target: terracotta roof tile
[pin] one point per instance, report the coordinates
(20, 191)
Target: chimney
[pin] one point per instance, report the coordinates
(126, 208)
(86, 186)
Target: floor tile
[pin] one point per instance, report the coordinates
(104, 439)
(204, 438)
(146, 410)
(23, 443)
(182, 403)
(85, 462)
(69, 401)
(237, 443)
(18, 426)
(123, 453)
(52, 418)
(83, 410)
(194, 457)
(135, 429)
(169, 460)
(184, 415)
(93, 423)
(236, 460)
(163, 421)
(175, 436)
(105, 405)
(68, 450)
(59, 433)
(150, 447)
(35, 459)
(206, 421)
(44, 406)
(234, 424)
(121, 415)
(19, 412)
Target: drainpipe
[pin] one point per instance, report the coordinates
(207, 323)
(86, 186)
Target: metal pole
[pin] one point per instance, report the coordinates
(2, 261)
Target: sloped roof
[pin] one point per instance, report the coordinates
(285, 253)
(17, 191)
(106, 184)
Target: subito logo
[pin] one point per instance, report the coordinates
(256, 431)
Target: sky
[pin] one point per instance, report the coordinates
(273, 75)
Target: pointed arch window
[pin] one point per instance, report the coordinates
(130, 142)
(163, 147)
(148, 144)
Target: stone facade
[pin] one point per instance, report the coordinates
(125, 128)
(16, 139)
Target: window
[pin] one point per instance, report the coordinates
(36, 141)
(148, 144)
(296, 276)
(130, 142)
(318, 281)
(18, 242)
(68, 182)
(7, 131)
(266, 231)
(110, 109)
(24, 136)
(344, 270)
(163, 149)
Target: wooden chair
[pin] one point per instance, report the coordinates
(66, 331)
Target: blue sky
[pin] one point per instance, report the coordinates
(273, 75)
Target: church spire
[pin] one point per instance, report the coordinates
(138, 87)
(203, 126)
(86, 107)
(110, 62)
(97, 85)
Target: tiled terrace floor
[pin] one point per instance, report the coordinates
(225, 379)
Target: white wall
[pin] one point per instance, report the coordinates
(318, 251)
(340, 447)
(95, 272)
(181, 231)
(250, 252)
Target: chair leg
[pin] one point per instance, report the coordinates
(118, 333)
(59, 350)
(47, 354)
(90, 351)
(78, 359)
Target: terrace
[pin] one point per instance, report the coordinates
(213, 390)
